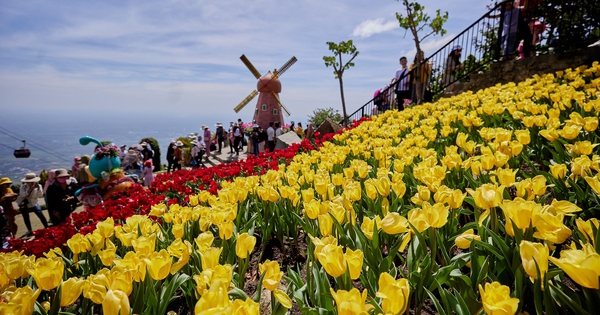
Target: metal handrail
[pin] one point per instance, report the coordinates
(483, 42)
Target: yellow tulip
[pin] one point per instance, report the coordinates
(312, 209)
(558, 171)
(569, 132)
(144, 244)
(519, 212)
(487, 196)
(247, 307)
(47, 273)
(352, 191)
(325, 224)
(114, 302)
(12, 266)
(204, 241)
(368, 226)
(523, 136)
(181, 251)
(550, 227)
(506, 176)
(436, 216)
(95, 288)
(538, 185)
(351, 302)
(214, 300)
(225, 229)
(338, 179)
(106, 228)
(586, 228)
(532, 254)
(463, 241)
(244, 245)
(78, 244)
(583, 266)
(178, 230)
(108, 255)
(354, 258)
(272, 275)
(159, 264)
(590, 124)
(383, 185)
(496, 299)
(370, 189)
(332, 259)
(283, 298)
(321, 242)
(550, 134)
(210, 257)
(20, 302)
(393, 293)
(399, 188)
(394, 223)
(594, 183)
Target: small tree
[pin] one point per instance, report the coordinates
(416, 20)
(343, 48)
(320, 114)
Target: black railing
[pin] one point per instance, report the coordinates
(502, 33)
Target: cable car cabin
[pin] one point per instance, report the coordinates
(22, 152)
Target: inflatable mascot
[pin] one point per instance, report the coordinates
(105, 167)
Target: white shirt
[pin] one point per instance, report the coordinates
(403, 84)
(36, 193)
(277, 132)
(270, 134)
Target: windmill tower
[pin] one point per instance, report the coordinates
(268, 107)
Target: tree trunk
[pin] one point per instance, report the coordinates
(343, 100)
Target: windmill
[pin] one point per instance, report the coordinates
(269, 106)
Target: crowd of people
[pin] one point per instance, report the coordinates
(239, 135)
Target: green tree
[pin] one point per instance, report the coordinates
(416, 20)
(343, 48)
(320, 114)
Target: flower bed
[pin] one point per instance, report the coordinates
(486, 201)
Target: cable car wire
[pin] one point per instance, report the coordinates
(54, 154)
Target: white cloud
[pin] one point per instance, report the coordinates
(369, 28)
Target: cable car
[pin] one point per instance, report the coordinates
(22, 152)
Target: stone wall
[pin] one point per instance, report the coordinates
(520, 70)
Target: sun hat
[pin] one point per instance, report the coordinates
(456, 47)
(219, 124)
(194, 142)
(30, 178)
(148, 163)
(61, 172)
(179, 144)
(5, 180)
(144, 144)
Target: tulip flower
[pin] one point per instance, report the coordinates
(204, 241)
(114, 302)
(586, 228)
(463, 241)
(47, 273)
(272, 276)
(214, 299)
(325, 224)
(393, 223)
(210, 257)
(519, 212)
(20, 302)
(533, 254)
(159, 264)
(247, 307)
(354, 258)
(144, 244)
(550, 227)
(581, 265)
(283, 298)
(351, 302)
(558, 171)
(106, 228)
(244, 245)
(594, 183)
(394, 294)
(332, 259)
(496, 299)
(506, 176)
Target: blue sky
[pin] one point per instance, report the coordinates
(183, 56)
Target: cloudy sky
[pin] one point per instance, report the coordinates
(183, 56)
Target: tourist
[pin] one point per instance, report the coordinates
(122, 152)
(60, 197)
(237, 134)
(170, 156)
(147, 173)
(278, 132)
(271, 137)
(220, 134)
(299, 131)
(255, 138)
(178, 155)
(231, 137)
(421, 77)
(82, 176)
(207, 140)
(403, 83)
(7, 196)
(510, 22)
(147, 153)
(451, 66)
(31, 191)
(75, 166)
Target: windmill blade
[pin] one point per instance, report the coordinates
(245, 101)
(285, 66)
(250, 66)
(285, 110)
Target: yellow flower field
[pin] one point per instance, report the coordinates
(482, 202)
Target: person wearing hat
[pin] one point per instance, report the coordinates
(60, 197)
(31, 192)
(451, 66)
(122, 152)
(207, 140)
(147, 151)
(7, 220)
(220, 134)
(178, 155)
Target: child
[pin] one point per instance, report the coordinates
(147, 173)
